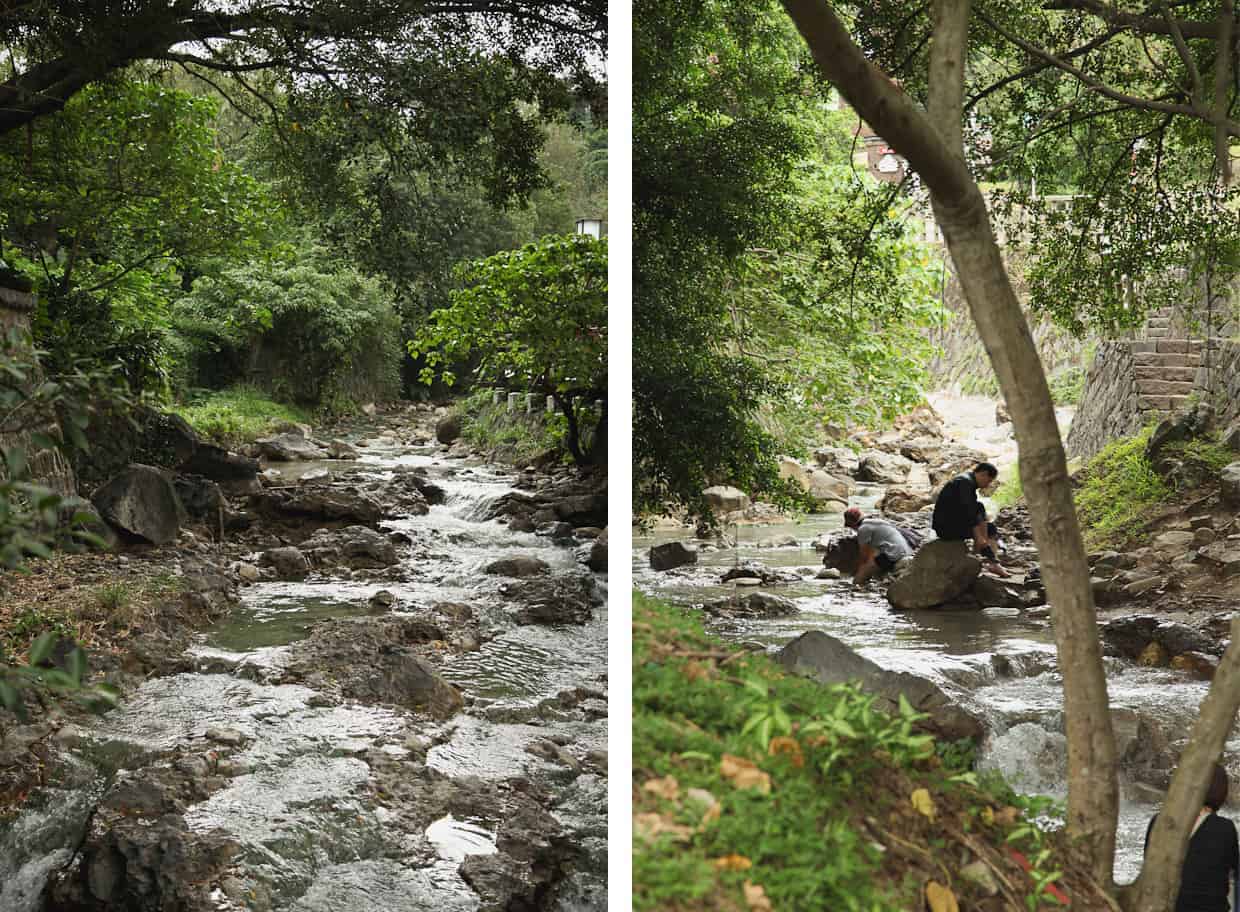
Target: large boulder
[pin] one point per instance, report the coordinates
(353, 546)
(1178, 428)
(816, 655)
(448, 428)
(289, 447)
(883, 468)
(904, 500)
(726, 499)
(839, 461)
(670, 555)
(830, 494)
(319, 502)
(940, 572)
(565, 598)
(519, 566)
(142, 503)
(288, 562)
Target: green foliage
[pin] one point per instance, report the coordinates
(306, 328)
(1067, 386)
(114, 597)
(105, 201)
(1206, 454)
(535, 319)
(512, 436)
(238, 415)
(771, 279)
(68, 679)
(1011, 490)
(1120, 488)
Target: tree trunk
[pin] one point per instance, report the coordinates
(937, 156)
(565, 405)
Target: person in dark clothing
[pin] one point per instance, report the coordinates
(959, 516)
(1213, 857)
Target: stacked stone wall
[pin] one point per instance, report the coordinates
(1108, 407)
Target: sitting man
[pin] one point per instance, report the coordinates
(959, 516)
(882, 544)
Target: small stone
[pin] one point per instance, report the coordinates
(248, 573)
(828, 573)
(384, 599)
(229, 736)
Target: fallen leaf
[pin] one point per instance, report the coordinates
(940, 898)
(756, 898)
(651, 826)
(786, 745)
(744, 774)
(733, 863)
(923, 803)
(988, 815)
(667, 787)
(1008, 816)
(697, 671)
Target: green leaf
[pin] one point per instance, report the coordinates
(42, 647)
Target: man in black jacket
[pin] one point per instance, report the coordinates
(958, 516)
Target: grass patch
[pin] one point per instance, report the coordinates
(1011, 491)
(751, 783)
(511, 436)
(1067, 386)
(1119, 490)
(239, 415)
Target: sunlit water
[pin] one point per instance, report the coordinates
(1023, 708)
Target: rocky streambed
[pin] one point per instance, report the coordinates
(989, 671)
(404, 708)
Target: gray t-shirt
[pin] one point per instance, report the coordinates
(885, 538)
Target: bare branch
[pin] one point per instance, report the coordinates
(1181, 46)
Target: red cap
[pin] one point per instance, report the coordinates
(852, 516)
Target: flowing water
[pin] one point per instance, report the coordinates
(300, 800)
(1020, 698)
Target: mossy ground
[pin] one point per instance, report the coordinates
(756, 790)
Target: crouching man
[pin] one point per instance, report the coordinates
(882, 544)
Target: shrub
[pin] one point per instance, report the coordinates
(513, 436)
(237, 416)
(1120, 488)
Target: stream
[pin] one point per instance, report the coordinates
(332, 804)
(999, 663)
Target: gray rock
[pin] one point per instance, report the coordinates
(826, 659)
(883, 468)
(839, 461)
(993, 592)
(566, 598)
(672, 554)
(519, 566)
(289, 448)
(940, 572)
(319, 502)
(752, 605)
(141, 502)
(288, 562)
(448, 428)
(340, 449)
(904, 500)
(353, 546)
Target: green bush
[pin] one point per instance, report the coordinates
(1067, 386)
(513, 436)
(239, 415)
(309, 331)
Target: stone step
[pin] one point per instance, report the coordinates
(1165, 359)
(1165, 387)
(1166, 372)
(1161, 403)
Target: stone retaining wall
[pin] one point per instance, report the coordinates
(1108, 408)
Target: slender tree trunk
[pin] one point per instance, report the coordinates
(936, 154)
(565, 405)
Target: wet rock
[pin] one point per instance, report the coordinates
(521, 523)
(406, 495)
(725, 499)
(383, 600)
(289, 447)
(566, 598)
(826, 659)
(201, 497)
(843, 554)
(827, 573)
(671, 555)
(940, 572)
(141, 502)
(372, 660)
(561, 532)
(519, 566)
(448, 428)
(353, 546)
(340, 449)
(826, 491)
(752, 605)
(319, 502)
(227, 736)
(1197, 664)
(993, 592)
(289, 563)
(763, 574)
(883, 468)
(594, 554)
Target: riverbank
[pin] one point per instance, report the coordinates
(735, 762)
(395, 692)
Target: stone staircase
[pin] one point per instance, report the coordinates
(1166, 371)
